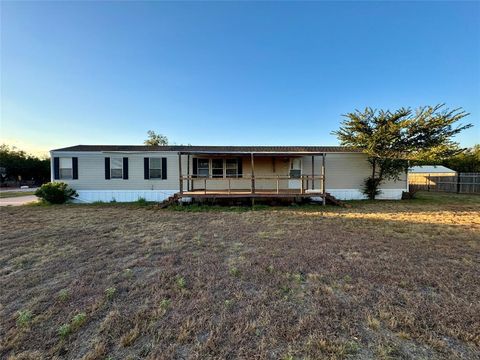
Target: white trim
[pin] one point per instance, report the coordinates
(89, 196)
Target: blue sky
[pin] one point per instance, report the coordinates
(227, 73)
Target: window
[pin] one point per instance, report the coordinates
(202, 167)
(116, 168)
(66, 168)
(295, 168)
(231, 168)
(217, 168)
(155, 168)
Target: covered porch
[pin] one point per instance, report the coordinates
(252, 175)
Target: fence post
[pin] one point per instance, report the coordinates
(458, 183)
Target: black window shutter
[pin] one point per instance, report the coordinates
(107, 168)
(195, 167)
(146, 168)
(164, 168)
(56, 168)
(240, 168)
(75, 168)
(125, 168)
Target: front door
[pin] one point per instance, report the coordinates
(295, 173)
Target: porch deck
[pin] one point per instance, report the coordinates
(276, 177)
(247, 193)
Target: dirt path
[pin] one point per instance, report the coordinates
(17, 201)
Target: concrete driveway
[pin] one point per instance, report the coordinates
(17, 201)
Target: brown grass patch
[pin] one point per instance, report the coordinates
(383, 279)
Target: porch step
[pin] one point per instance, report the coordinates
(169, 201)
(334, 201)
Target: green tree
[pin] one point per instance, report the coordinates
(393, 139)
(466, 161)
(155, 139)
(17, 163)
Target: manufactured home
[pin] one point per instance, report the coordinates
(129, 172)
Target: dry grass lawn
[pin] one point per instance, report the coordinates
(378, 280)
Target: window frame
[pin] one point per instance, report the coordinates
(217, 176)
(208, 167)
(60, 177)
(150, 168)
(235, 162)
(210, 162)
(111, 168)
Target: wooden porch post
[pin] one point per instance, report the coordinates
(180, 172)
(188, 172)
(313, 172)
(253, 173)
(324, 200)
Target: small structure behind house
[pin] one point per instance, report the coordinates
(441, 178)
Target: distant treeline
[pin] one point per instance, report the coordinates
(467, 161)
(18, 167)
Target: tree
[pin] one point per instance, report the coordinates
(466, 161)
(155, 139)
(18, 164)
(393, 139)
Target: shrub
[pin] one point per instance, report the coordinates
(142, 201)
(55, 192)
(370, 188)
(410, 194)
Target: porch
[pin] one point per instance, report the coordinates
(252, 175)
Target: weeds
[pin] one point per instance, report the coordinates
(142, 202)
(299, 278)
(64, 295)
(372, 322)
(234, 271)
(128, 273)
(129, 338)
(24, 317)
(228, 303)
(64, 330)
(386, 352)
(78, 320)
(181, 282)
(110, 292)
(163, 307)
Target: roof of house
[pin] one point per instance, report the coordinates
(212, 149)
(429, 169)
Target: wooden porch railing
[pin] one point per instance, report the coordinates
(305, 181)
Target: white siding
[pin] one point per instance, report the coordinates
(91, 171)
(345, 174)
